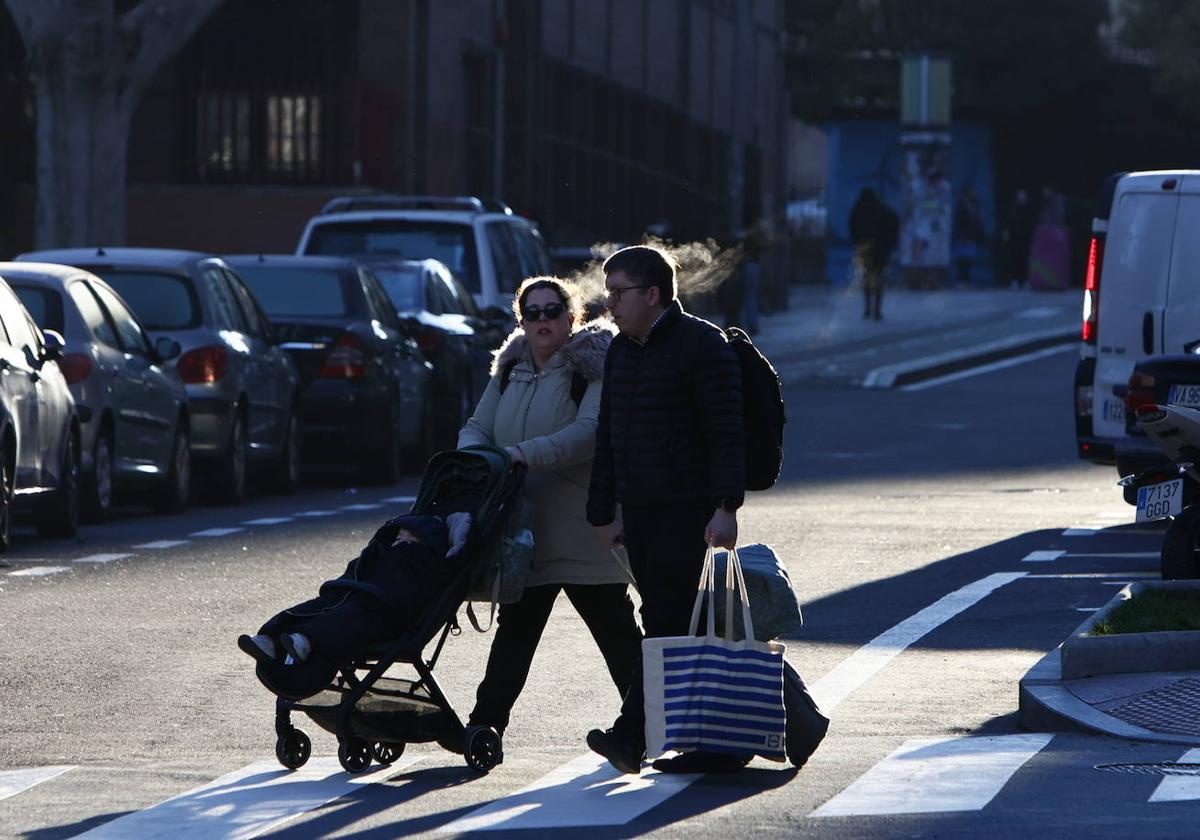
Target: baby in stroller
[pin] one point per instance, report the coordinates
(379, 597)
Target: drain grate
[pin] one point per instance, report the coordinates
(1162, 768)
(1172, 709)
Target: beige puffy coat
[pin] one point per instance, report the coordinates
(536, 412)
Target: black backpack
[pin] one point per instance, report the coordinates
(578, 383)
(762, 409)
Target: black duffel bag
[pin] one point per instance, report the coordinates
(806, 726)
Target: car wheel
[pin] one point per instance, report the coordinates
(6, 497)
(177, 488)
(383, 466)
(229, 483)
(98, 489)
(287, 471)
(58, 514)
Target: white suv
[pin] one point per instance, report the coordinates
(484, 244)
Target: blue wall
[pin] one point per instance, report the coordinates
(865, 153)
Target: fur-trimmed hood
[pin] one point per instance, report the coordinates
(583, 353)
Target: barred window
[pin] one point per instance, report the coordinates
(294, 135)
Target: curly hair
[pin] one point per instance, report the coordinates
(567, 292)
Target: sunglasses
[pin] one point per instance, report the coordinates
(551, 311)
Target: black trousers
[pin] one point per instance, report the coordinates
(607, 611)
(666, 552)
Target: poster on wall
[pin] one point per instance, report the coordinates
(928, 208)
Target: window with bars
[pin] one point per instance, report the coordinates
(293, 131)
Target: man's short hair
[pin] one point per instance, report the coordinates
(645, 264)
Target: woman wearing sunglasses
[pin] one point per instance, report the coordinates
(535, 407)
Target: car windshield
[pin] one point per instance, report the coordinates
(403, 285)
(44, 305)
(161, 301)
(450, 242)
(306, 292)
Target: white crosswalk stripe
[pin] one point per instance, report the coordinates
(932, 775)
(13, 782)
(585, 791)
(1179, 788)
(39, 571)
(245, 803)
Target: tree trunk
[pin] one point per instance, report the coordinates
(82, 134)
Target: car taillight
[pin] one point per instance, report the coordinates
(75, 367)
(1141, 390)
(1091, 289)
(347, 359)
(202, 366)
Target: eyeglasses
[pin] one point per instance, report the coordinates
(614, 292)
(551, 311)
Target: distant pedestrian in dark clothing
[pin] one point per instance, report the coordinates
(731, 297)
(969, 234)
(874, 231)
(670, 451)
(1017, 237)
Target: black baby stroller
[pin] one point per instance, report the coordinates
(376, 716)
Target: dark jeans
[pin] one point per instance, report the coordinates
(605, 608)
(666, 552)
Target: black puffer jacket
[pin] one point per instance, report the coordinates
(670, 426)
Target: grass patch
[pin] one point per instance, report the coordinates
(1152, 611)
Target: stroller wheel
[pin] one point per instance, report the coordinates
(293, 749)
(389, 752)
(354, 755)
(482, 748)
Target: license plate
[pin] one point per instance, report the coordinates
(1158, 501)
(1187, 396)
(1114, 411)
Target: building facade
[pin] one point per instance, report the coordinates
(597, 118)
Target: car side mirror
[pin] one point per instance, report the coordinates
(167, 348)
(54, 345)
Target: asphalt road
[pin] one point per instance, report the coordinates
(904, 518)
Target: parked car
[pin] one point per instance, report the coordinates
(1141, 295)
(1170, 380)
(39, 426)
(366, 388)
(135, 433)
(484, 244)
(451, 332)
(242, 389)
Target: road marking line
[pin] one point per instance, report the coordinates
(1124, 576)
(936, 775)
(988, 368)
(1079, 532)
(245, 803)
(886, 376)
(401, 500)
(1179, 788)
(1115, 582)
(1134, 554)
(851, 673)
(1042, 556)
(162, 544)
(101, 558)
(1088, 609)
(585, 791)
(315, 513)
(38, 571)
(361, 507)
(216, 532)
(13, 782)
(269, 520)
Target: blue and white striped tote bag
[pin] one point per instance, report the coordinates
(712, 693)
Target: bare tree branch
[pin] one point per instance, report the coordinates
(38, 21)
(152, 32)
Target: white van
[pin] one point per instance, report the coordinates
(484, 244)
(1141, 295)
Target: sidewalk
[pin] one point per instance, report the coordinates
(923, 333)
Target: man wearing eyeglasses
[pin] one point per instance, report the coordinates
(670, 452)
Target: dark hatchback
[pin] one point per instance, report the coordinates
(364, 382)
(452, 333)
(1158, 380)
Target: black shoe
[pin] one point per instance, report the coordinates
(702, 762)
(622, 753)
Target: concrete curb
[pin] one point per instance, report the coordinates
(1047, 704)
(929, 367)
